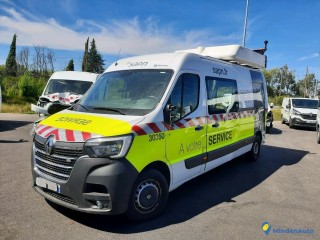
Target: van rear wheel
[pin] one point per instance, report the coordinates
(148, 197)
(253, 155)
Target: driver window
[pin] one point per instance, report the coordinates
(185, 96)
(221, 95)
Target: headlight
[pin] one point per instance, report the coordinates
(115, 147)
(295, 112)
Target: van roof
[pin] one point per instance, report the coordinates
(75, 75)
(234, 54)
(304, 98)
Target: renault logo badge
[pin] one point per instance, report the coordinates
(49, 145)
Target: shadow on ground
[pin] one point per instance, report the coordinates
(200, 194)
(9, 125)
(275, 131)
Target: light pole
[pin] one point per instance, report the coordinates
(245, 26)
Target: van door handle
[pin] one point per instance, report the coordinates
(215, 125)
(198, 128)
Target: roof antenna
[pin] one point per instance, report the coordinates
(117, 57)
(262, 50)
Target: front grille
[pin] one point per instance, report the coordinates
(309, 116)
(59, 164)
(59, 196)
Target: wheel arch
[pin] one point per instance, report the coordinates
(259, 134)
(161, 167)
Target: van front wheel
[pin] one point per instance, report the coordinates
(148, 197)
(290, 123)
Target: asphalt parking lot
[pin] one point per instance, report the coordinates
(230, 202)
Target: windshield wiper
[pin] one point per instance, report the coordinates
(82, 106)
(110, 109)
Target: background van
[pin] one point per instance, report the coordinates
(65, 88)
(0, 98)
(318, 123)
(299, 112)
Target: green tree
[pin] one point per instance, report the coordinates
(270, 76)
(70, 66)
(95, 61)
(287, 79)
(85, 56)
(26, 85)
(11, 63)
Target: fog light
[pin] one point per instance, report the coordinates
(102, 204)
(99, 204)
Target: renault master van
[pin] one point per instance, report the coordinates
(149, 124)
(300, 112)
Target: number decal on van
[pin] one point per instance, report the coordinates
(156, 136)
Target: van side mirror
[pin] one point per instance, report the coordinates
(168, 115)
(287, 106)
(234, 107)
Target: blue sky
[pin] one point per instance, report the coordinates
(150, 26)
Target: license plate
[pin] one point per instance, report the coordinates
(41, 182)
(311, 121)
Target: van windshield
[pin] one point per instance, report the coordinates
(62, 85)
(133, 92)
(305, 103)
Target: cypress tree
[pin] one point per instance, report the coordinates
(70, 66)
(11, 63)
(95, 61)
(85, 56)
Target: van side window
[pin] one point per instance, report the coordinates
(185, 95)
(221, 95)
(257, 89)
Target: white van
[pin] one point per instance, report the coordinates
(0, 98)
(149, 124)
(65, 88)
(318, 123)
(301, 112)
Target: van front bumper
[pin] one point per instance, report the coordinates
(95, 185)
(300, 122)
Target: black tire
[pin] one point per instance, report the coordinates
(282, 120)
(268, 129)
(290, 123)
(318, 135)
(253, 155)
(148, 197)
